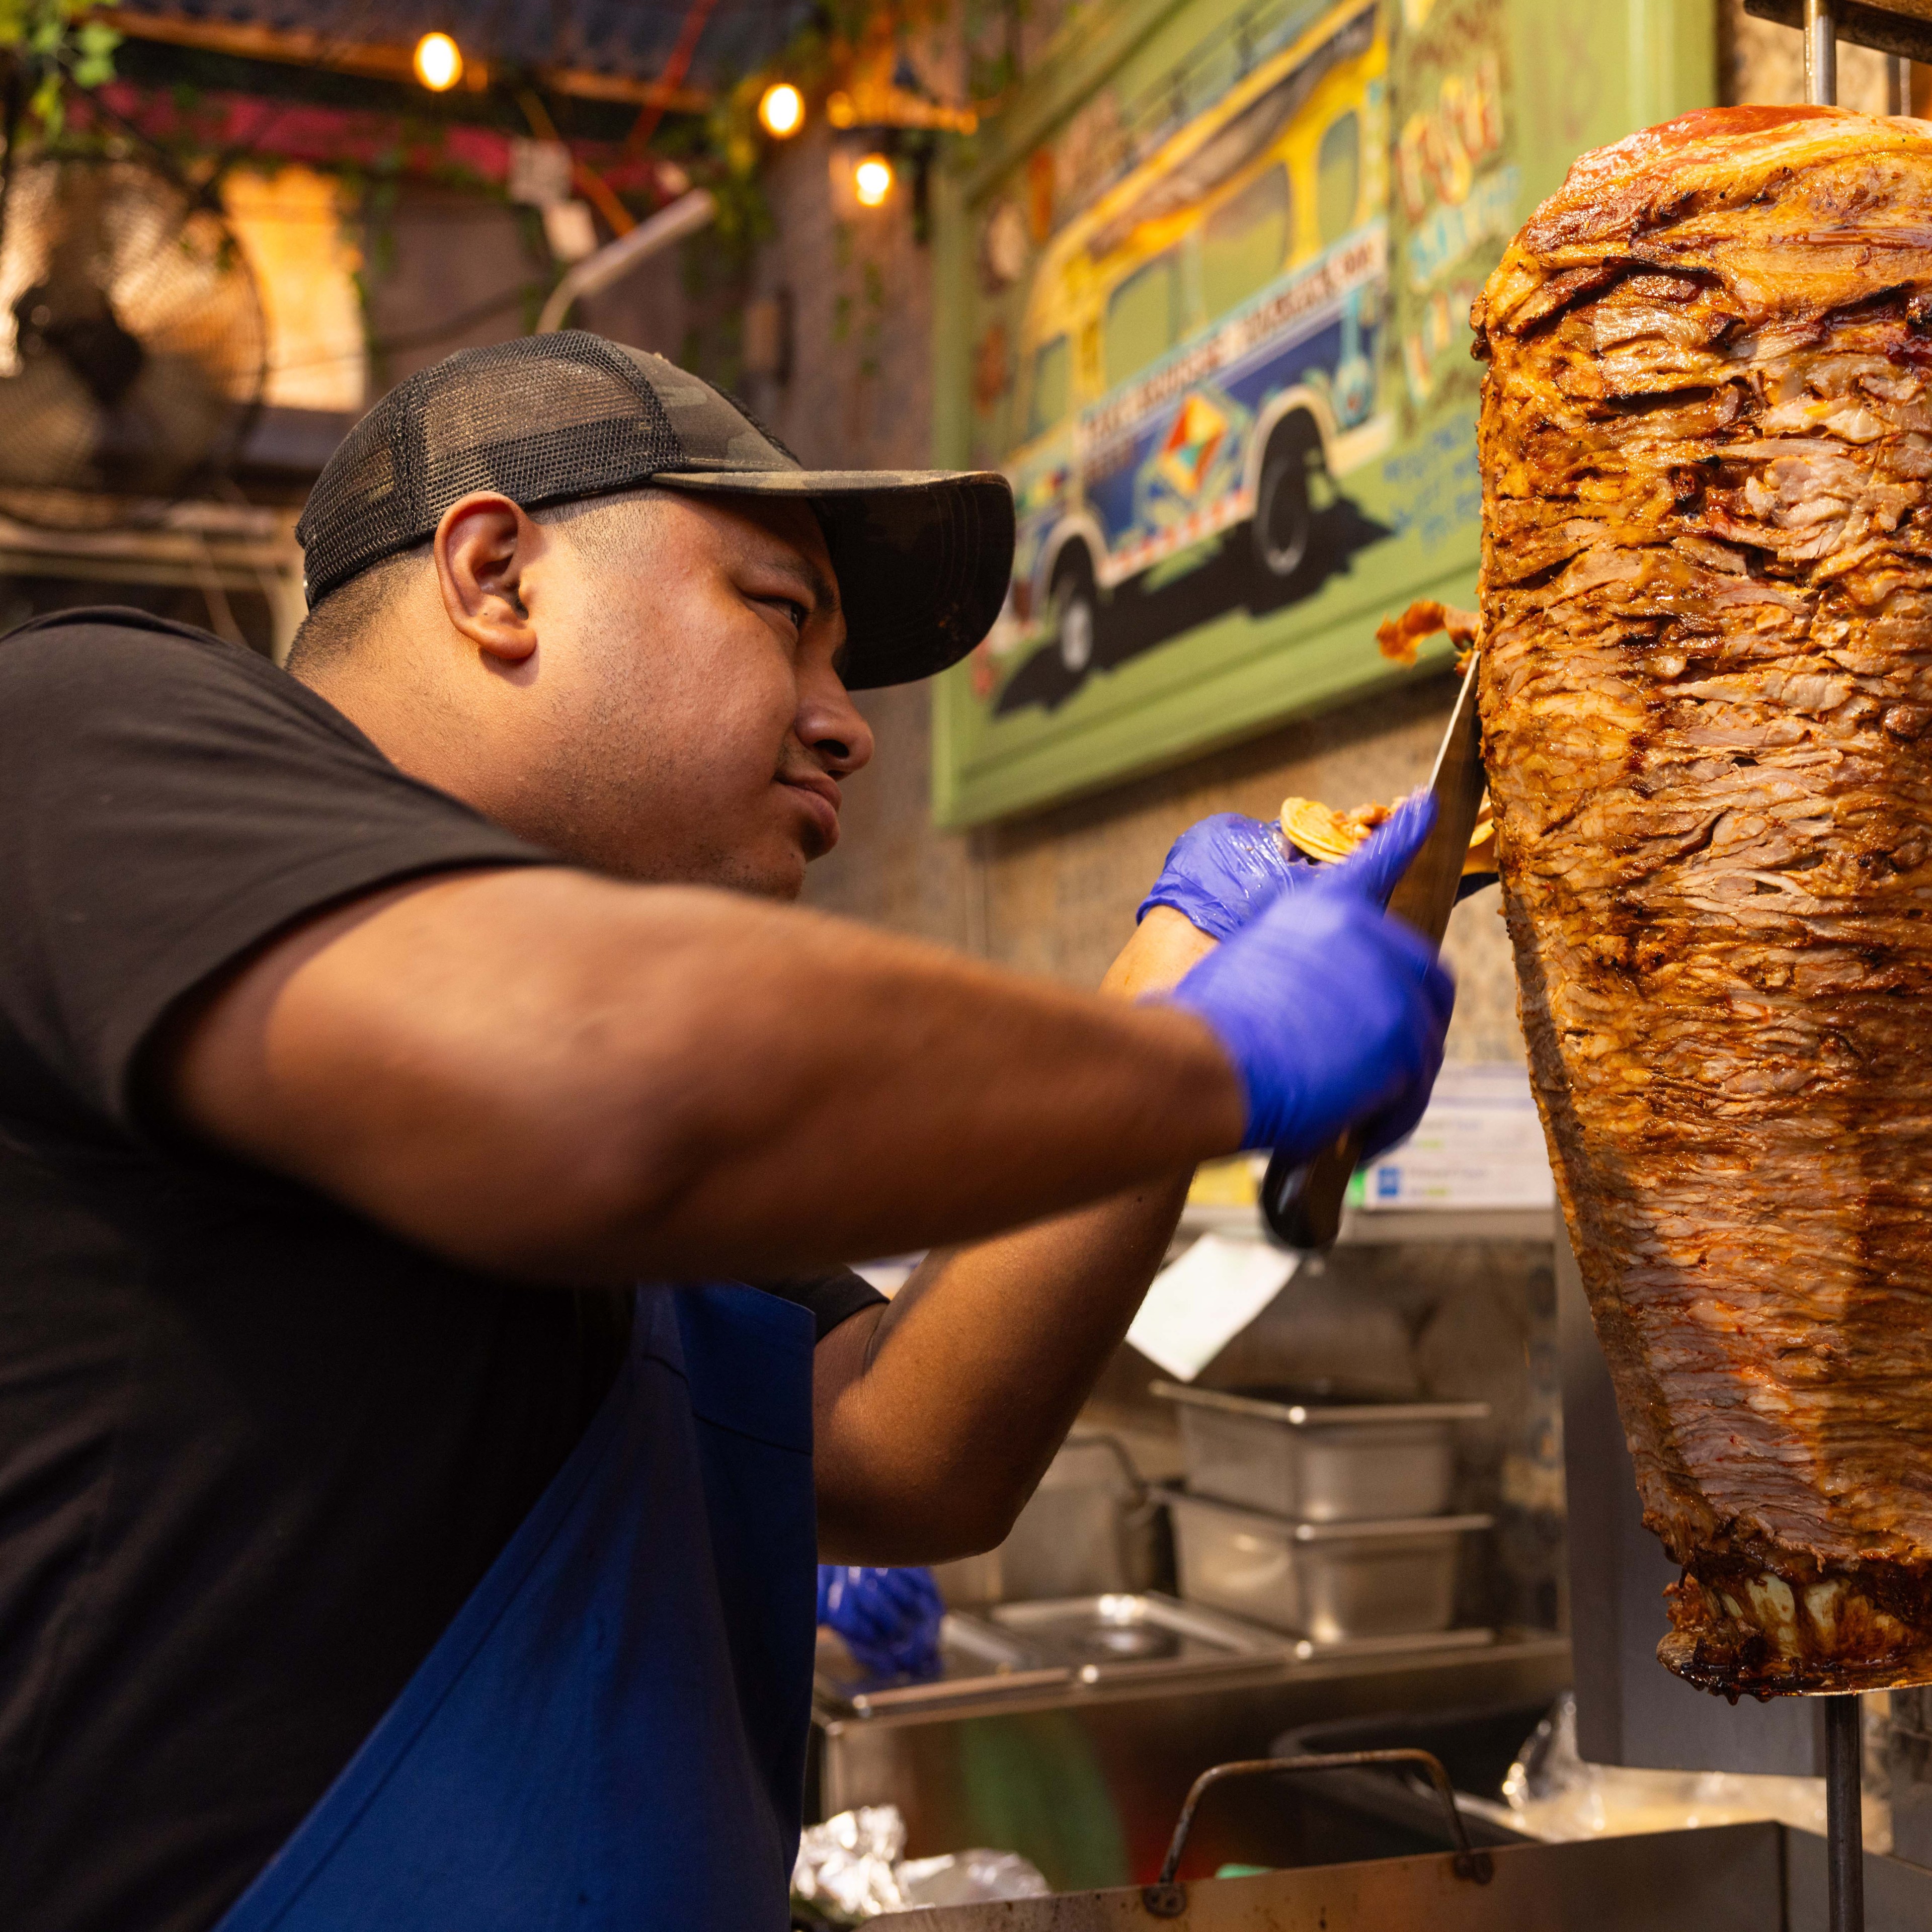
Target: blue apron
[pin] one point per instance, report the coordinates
(611, 1732)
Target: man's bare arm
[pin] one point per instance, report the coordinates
(573, 1079)
(938, 1415)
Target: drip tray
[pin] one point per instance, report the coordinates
(1110, 1639)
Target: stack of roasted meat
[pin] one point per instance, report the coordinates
(1706, 443)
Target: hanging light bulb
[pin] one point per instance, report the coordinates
(438, 62)
(781, 110)
(872, 180)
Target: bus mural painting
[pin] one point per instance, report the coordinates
(1197, 368)
(1204, 286)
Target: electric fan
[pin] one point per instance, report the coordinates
(133, 346)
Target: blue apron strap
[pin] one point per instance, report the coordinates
(748, 1356)
(611, 1732)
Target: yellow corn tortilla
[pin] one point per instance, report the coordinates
(1327, 834)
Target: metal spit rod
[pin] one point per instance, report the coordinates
(1844, 1826)
(1821, 53)
(1844, 1731)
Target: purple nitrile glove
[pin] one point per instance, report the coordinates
(1223, 871)
(1332, 1012)
(888, 1619)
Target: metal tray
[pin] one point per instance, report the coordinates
(1111, 1639)
(976, 1661)
(1319, 1461)
(1467, 1636)
(1330, 1583)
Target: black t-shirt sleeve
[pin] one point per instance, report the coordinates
(166, 802)
(835, 1296)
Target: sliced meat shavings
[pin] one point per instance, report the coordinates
(1399, 638)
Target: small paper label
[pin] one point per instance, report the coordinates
(1199, 1304)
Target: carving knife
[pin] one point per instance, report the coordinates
(1303, 1204)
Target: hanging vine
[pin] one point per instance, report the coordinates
(49, 45)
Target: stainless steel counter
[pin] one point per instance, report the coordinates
(1086, 1780)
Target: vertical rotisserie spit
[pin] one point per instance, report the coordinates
(1706, 444)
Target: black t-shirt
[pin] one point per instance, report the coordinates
(254, 1450)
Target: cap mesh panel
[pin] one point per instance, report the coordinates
(541, 418)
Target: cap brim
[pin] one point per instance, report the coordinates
(923, 556)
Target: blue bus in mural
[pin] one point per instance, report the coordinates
(1198, 370)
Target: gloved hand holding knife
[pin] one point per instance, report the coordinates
(1363, 1036)
(1220, 871)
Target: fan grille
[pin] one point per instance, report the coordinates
(132, 344)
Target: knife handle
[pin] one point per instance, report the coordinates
(1303, 1203)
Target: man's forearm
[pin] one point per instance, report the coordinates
(570, 1079)
(937, 1416)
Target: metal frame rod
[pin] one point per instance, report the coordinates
(1821, 53)
(1844, 1822)
(1897, 84)
(1470, 1862)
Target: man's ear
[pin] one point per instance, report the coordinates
(483, 546)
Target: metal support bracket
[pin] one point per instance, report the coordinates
(1901, 28)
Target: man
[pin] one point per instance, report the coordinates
(373, 1551)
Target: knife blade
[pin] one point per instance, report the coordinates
(1303, 1204)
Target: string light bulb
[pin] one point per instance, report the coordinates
(781, 110)
(438, 62)
(872, 181)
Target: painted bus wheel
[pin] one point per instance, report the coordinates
(1284, 505)
(1076, 615)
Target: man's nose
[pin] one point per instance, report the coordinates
(833, 727)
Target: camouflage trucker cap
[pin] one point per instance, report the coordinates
(922, 556)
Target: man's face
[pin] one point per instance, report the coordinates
(698, 728)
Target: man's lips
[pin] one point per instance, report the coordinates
(821, 797)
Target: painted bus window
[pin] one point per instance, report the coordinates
(1338, 178)
(1143, 317)
(1244, 242)
(1052, 385)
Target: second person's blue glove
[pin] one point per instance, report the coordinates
(888, 1619)
(1332, 1012)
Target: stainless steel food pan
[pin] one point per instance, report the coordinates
(1331, 1583)
(1320, 1462)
